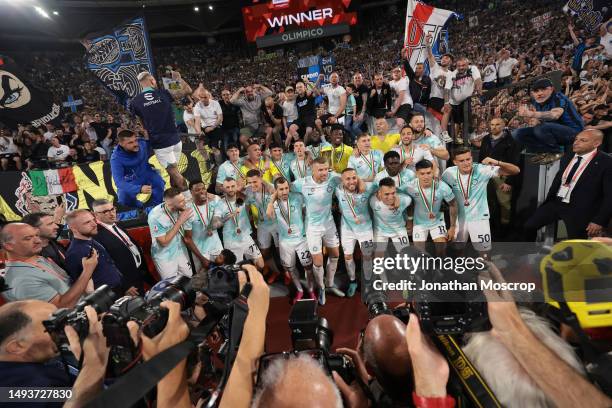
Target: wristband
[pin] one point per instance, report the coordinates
(433, 402)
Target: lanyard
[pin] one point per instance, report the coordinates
(579, 171)
(429, 205)
(37, 265)
(197, 210)
(316, 153)
(369, 162)
(465, 192)
(263, 204)
(181, 231)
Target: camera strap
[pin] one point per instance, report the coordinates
(475, 386)
(133, 386)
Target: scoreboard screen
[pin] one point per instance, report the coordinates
(274, 22)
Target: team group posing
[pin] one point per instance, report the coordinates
(387, 187)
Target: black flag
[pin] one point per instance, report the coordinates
(20, 101)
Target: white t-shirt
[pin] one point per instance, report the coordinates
(402, 85)
(505, 67)
(207, 114)
(440, 80)
(186, 117)
(290, 111)
(463, 85)
(58, 153)
(7, 145)
(489, 73)
(333, 96)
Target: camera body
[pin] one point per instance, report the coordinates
(101, 300)
(310, 331)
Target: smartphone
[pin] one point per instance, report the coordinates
(91, 250)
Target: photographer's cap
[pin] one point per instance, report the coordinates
(541, 83)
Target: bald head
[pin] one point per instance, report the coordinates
(20, 240)
(386, 353)
(296, 383)
(22, 335)
(587, 141)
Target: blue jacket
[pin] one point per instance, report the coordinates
(131, 170)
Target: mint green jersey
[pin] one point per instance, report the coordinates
(401, 180)
(231, 225)
(317, 199)
(355, 208)
(200, 222)
(367, 165)
(159, 224)
(388, 221)
(478, 206)
(423, 206)
(289, 217)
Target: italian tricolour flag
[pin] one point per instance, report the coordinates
(52, 182)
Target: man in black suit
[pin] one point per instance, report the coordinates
(126, 254)
(581, 193)
(502, 190)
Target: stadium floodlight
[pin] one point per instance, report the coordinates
(196, 8)
(42, 11)
(210, 7)
(55, 13)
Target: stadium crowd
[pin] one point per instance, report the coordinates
(310, 179)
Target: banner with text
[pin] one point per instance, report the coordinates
(421, 20)
(117, 56)
(312, 66)
(41, 190)
(20, 101)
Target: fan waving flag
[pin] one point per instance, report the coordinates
(117, 57)
(422, 19)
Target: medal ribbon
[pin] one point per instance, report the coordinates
(300, 171)
(238, 170)
(429, 205)
(231, 210)
(403, 153)
(369, 162)
(286, 217)
(280, 167)
(173, 220)
(263, 204)
(466, 193)
(350, 199)
(197, 210)
(339, 159)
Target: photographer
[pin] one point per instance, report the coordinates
(543, 362)
(28, 355)
(239, 389)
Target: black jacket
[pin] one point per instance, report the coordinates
(592, 195)
(506, 150)
(124, 261)
(381, 102)
(419, 87)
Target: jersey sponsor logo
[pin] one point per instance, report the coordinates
(148, 96)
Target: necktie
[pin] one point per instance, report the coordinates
(573, 170)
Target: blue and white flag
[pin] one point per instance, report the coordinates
(117, 57)
(422, 19)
